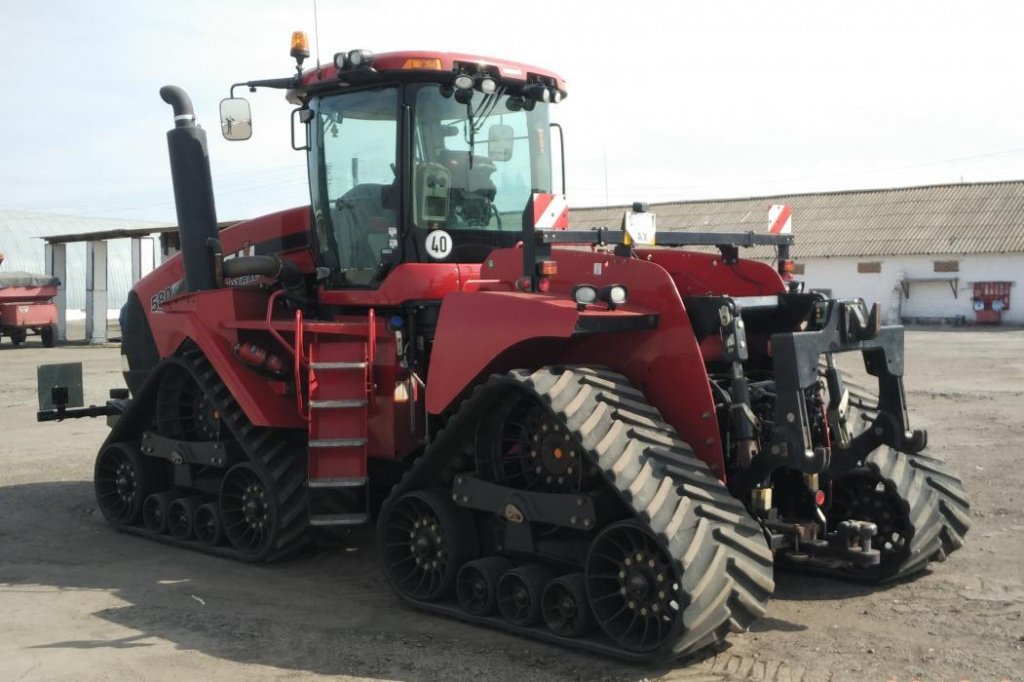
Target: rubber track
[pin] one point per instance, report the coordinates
(272, 453)
(934, 503)
(934, 496)
(719, 548)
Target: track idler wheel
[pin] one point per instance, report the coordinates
(155, 510)
(519, 593)
(425, 539)
(207, 526)
(248, 511)
(477, 584)
(632, 585)
(565, 606)
(180, 514)
(122, 482)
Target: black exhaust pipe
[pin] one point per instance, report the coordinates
(193, 191)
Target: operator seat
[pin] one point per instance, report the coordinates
(362, 216)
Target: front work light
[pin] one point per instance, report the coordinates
(341, 61)
(615, 295)
(584, 294)
(464, 81)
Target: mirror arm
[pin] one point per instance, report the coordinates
(276, 83)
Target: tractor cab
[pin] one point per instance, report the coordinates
(416, 157)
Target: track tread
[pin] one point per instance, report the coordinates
(273, 453)
(936, 505)
(719, 549)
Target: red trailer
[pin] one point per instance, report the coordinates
(26, 306)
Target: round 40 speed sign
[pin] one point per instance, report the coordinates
(439, 244)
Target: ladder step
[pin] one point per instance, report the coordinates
(353, 482)
(337, 442)
(338, 519)
(335, 404)
(338, 365)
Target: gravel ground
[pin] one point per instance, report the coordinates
(80, 601)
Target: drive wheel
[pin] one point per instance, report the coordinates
(122, 482)
(523, 445)
(248, 510)
(183, 410)
(425, 540)
(632, 584)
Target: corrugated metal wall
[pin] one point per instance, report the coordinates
(21, 242)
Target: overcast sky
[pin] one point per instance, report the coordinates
(667, 100)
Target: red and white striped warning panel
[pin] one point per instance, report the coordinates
(780, 219)
(550, 212)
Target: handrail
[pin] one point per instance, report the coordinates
(371, 346)
(297, 365)
(269, 320)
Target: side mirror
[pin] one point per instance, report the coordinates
(499, 142)
(235, 118)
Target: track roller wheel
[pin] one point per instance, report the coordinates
(519, 593)
(248, 511)
(632, 585)
(565, 606)
(477, 584)
(155, 510)
(122, 482)
(207, 526)
(179, 517)
(425, 541)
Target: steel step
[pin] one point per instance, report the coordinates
(338, 365)
(336, 404)
(353, 482)
(339, 519)
(337, 442)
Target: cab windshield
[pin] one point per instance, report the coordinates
(475, 157)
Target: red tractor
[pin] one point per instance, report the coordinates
(570, 435)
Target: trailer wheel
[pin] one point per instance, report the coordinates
(49, 336)
(18, 336)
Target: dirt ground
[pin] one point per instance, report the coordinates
(80, 601)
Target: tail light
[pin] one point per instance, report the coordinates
(547, 268)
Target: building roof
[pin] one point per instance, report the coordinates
(123, 233)
(968, 218)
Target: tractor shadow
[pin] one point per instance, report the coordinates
(326, 611)
(795, 586)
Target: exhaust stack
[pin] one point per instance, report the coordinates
(193, 191)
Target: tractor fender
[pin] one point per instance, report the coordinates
(486, 332)
(476, 328)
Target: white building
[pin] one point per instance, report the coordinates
(22, 242)
(927, 254)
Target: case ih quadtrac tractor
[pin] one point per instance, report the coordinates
(590, 437)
